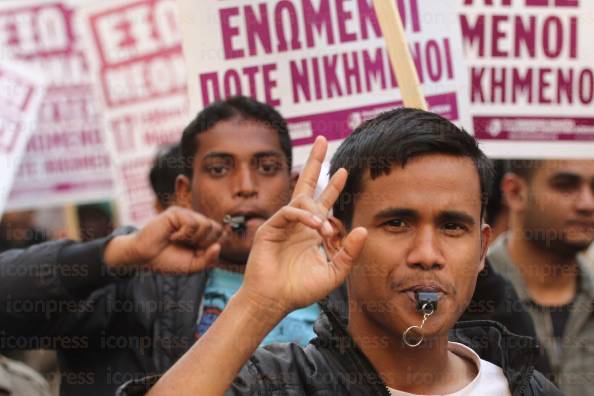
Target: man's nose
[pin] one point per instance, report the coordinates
(425, 253)
(245, 183)
(585, 200)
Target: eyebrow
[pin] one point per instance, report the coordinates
(217, 155)
(269, 153)
(444, 216)
(566, 176)
(396, 212)
(258, 155)
(456, 216)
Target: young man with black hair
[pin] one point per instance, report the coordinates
(238, 165)
(111, 323)
(407, 192)
(551, 204)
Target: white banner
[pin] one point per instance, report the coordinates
(66, 158)
(136, 59)
(21, 90)
(322, 63)
(532, 77)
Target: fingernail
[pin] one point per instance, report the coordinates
(316, 219)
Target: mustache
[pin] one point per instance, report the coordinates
(406, 282)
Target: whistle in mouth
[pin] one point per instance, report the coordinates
(426, 301)
(237, 223)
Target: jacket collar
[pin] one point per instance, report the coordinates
(515, 354)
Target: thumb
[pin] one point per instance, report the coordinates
(352, 245)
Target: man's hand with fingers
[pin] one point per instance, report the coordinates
(177, 241)
(286, 268)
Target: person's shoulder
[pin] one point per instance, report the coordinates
(20, 379)
(283, 366)
(586, 268)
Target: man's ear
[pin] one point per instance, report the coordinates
(515, 192)
(158, 207)
(294, 176)
(333, 244)
(183, 191)
(485, 242)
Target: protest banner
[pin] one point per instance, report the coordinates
(322, 63)
(21, 91)
(66, 159)
(531, 76)
(135, 54)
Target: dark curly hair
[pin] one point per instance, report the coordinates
(225, 110)
(394, 137)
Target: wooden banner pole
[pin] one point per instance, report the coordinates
(72, 223)
(402, 63)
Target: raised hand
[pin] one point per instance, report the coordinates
(176, 241)
(287, 267)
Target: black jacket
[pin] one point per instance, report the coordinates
(332, 364)
(109, 329)
(496, 299)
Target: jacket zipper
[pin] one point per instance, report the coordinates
(525, 381)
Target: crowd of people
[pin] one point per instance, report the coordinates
(305, 293)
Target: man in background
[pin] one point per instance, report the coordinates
(551, 204)
(110, 322)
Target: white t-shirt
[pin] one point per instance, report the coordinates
(490, 380)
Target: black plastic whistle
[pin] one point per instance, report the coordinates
(428, 300)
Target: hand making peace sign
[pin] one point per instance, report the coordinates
(286, 268)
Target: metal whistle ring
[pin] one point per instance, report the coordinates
(407, 334)
(428, 309)
(426, 304)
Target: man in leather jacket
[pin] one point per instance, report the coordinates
(407, 196)
(112, 322)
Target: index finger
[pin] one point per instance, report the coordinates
(308, 179)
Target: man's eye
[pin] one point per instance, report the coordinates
(566, 187)
(395, 225)
(268, 167)
(454, 228)
(217, 170)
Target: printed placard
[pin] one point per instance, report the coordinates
(21, 90)
(66, 159)
(322, 63)
(531, 75)
(136, 59)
